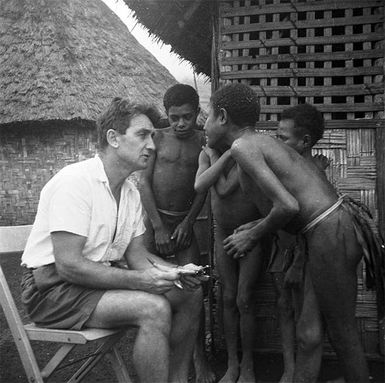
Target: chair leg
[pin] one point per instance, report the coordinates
(119, 366)
(91, 361)
(54, 362)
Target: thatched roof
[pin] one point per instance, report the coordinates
(184, 24)
(66, 59)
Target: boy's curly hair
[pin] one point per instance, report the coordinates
(240, 101)
(307, 118)
(179, 95)
(118, 116)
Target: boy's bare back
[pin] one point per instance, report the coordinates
(274, 170)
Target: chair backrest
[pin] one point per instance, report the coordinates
(13, 240)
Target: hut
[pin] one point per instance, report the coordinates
(327, 53)
(61, 63)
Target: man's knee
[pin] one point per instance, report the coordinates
(309, 336)
(157, 312)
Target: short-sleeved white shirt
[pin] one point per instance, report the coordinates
(78, 199)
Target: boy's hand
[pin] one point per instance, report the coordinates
(163, 242)
(182, 235)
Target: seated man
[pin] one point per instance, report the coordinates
(294, 195)
(85, 264)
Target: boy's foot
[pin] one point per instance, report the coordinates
(203, 370)
(231, 375)
(287, 377)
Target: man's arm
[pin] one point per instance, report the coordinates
(251, 160)
(162, 235)
(74, 268)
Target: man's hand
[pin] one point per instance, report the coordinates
(190, 275)
(183, 234)
(159, 281)
(238, 244)
(163, 242)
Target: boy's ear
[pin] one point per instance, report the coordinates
(223, 116)
(307, 141)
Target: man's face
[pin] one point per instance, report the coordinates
(183, 119)
(136, 145)
(287, 133)
(213, 130)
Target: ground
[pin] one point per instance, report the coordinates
(268, 366)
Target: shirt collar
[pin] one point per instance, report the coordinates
(101, 175)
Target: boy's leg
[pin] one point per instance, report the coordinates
(309, 335)
(286, 325)
(186, 306)
(203, 370)
(250, 267)
(227, 269)
(333, 257)
(152, 314)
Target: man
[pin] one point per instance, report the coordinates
(168, 195)
(293, 195)
(89, 220)
(238, 277)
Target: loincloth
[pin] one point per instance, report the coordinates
(172, 213)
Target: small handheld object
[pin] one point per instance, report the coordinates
(177, 283)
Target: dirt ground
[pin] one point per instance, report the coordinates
(268, 367)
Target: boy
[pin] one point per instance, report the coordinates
(168, 195)
(238, 277)
(295, 196)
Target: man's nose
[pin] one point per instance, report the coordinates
(150, 144)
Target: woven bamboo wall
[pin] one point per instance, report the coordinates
(329, 54)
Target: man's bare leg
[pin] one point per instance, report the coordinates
(250, 267)
(152, 314)
(203, 370)
(228, 274)
(309, 335)
(186, 312)
(287, 327)
(334, 255)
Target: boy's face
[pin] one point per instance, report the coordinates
(291, 136)
(183, 119)
(213, 129)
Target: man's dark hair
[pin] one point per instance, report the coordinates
(179, 95)
(240, 101)
(307, 118)
(118, 116)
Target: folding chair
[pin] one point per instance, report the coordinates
(13, 240)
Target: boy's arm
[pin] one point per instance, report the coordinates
(162, 235)
(183, 232)
(211, 167)
(251, 160)
(226, 185)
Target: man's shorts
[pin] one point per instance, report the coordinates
(54, 303)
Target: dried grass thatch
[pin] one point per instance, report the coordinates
(184, 24)
(66, 59)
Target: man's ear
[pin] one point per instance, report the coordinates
(112, 138)
(307, 141)
(223, 116)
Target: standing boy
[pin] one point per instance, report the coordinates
(292, 195)
(168, 195)
(238, 277)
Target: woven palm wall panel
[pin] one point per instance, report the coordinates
(329, 54)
